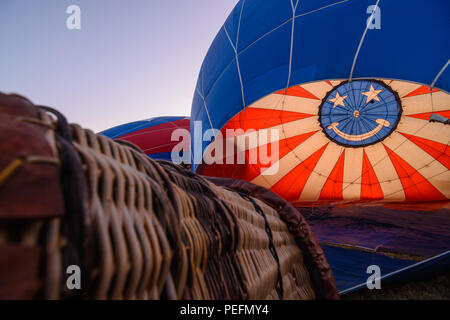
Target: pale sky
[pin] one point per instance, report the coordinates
(130, 61)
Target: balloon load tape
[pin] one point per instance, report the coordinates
(76, 203)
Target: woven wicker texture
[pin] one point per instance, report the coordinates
(154, 230)
(162, 232)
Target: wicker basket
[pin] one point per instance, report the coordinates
(140, 229)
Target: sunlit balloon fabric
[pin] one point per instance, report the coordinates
(314, 69)
(153, 135)
(359, 140)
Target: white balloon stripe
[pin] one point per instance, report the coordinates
(319, 89)
(423, 129)
(421, 161)
(403, 88)
(292, 159)
(430, 102)
(288, 103)
(319, 176)
(353, 161)
(385, 171)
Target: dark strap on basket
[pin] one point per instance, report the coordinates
(76, 221)
(279, 284)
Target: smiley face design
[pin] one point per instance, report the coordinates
(359, 113)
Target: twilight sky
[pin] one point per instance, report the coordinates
(131, 60)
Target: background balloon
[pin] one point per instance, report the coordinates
(153, 135)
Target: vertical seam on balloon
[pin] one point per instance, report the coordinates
(236, 52)
(220, 75)
(439, 74)
(203, 98)
(206, 108)
(229, 63)
(282, 24)
(414, 185)
(326, 178)
(294, 8)
(296, 156)
(417, 139)
(271, 31)
(387, 156)
(204, 101)
(209, 118)
(239, 25)
(265, 35)
(317, 173)
(237, 65)
(283, 97)
(361, 42)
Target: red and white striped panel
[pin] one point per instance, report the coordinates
(411, 164)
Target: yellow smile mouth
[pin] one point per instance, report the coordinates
(381, 123)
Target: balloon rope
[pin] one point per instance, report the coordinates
(361, 42)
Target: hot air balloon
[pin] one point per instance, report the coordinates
(360, 140)
(153, 136)
(350, 88)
